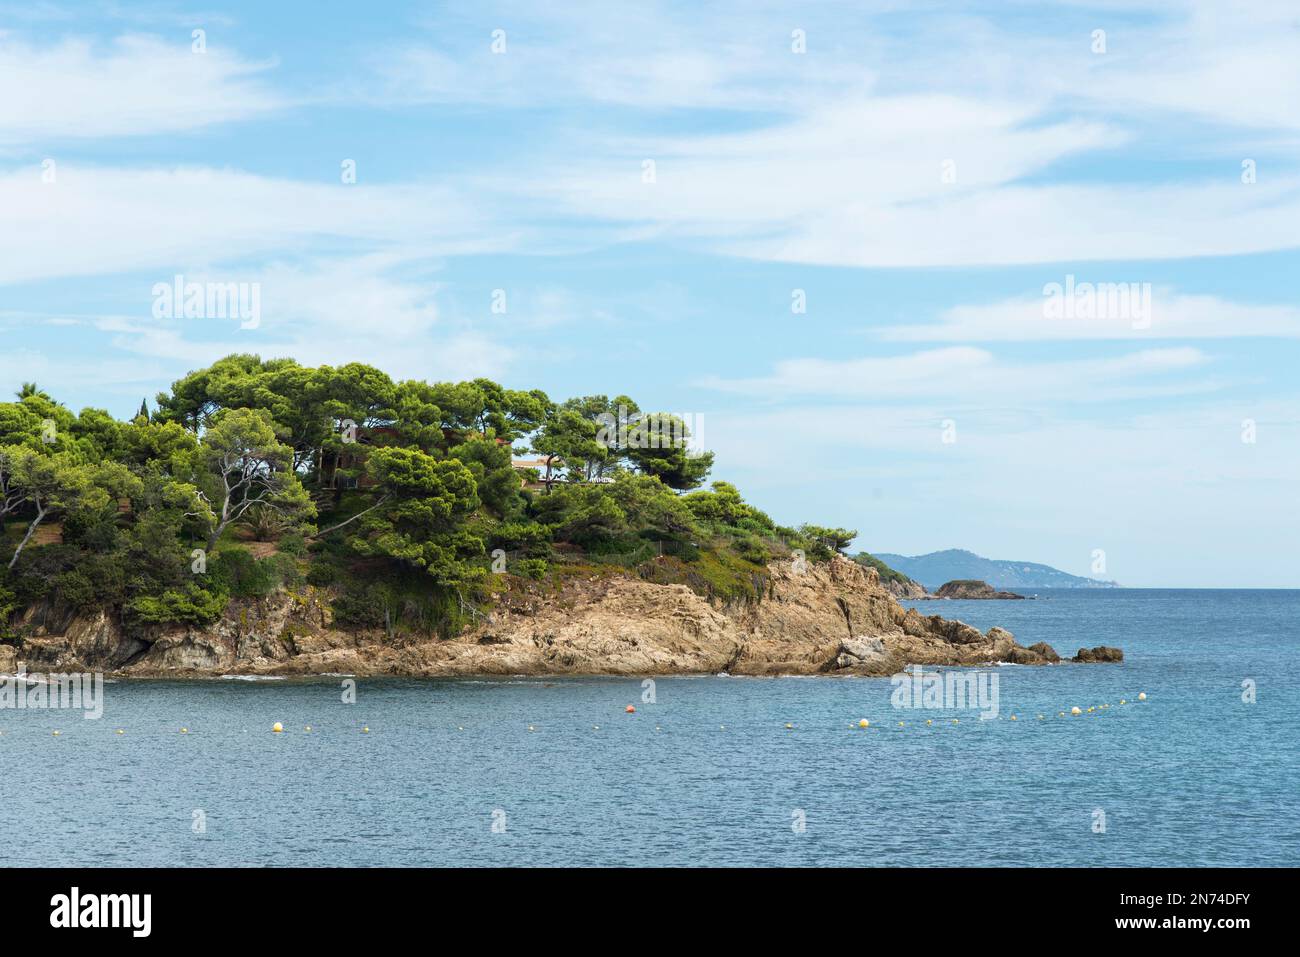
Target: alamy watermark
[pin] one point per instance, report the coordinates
(179, 299)
(1103, 300)
(75, 909)
(37, 691)
(952, 690)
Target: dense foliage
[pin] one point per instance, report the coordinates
(400, 497)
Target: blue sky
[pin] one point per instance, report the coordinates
(920, 171)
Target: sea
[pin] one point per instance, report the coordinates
(706, 771)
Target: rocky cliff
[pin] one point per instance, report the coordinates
(833, 618)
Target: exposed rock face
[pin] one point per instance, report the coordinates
(907, 589)
(969, 588)
(833, 618)
(856, 652)
(1102, 653)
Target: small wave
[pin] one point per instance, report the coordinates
(252, 677)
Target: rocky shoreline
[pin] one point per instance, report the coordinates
(834, 618)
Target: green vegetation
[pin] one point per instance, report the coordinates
(887, 574)
(399, 499)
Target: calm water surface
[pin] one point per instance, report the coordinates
(708, 774)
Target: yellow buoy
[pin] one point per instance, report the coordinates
(954, 721)
(787, 724)
(365, 730)
(308, 728)
(864, 723)
(120, 731)
(1122, 701)
(929, 721)
(1091, 710)
(1142, 696)
(185, 730)
(1075, 710)
(56, 734)
(900, 724)
(277, 727)
(1013, 717)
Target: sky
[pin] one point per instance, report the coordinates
(838, 236)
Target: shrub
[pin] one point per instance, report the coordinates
(75, 589)
(752, 549)
(322, 574)
(534, 568)
(190, 605)
(235, 571)
(530, 537)
(364, 607)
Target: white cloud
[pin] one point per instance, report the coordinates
(137, 85)
(968, 374)
(861, 185)
(854, 183)
(1173, 316)
(845, 168)
(53, 369)
(1238, 64)
(328, 311)
(95, 221)
(645, 55)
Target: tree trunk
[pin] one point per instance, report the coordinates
(31, 530)
(334, 528)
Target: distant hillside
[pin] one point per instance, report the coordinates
(938, 567)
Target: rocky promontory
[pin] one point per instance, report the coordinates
(828, 618)
(971, 589)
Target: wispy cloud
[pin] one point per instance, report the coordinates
(965, 373)
(1173, 315)
(94, 220)
(134, 85)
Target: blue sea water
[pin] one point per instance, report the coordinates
(708, 774)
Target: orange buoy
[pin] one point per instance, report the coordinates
(630, 710)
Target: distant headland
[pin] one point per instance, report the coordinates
(956, 564)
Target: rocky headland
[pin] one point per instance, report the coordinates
(829, 618)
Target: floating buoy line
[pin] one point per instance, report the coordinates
(862, 723)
